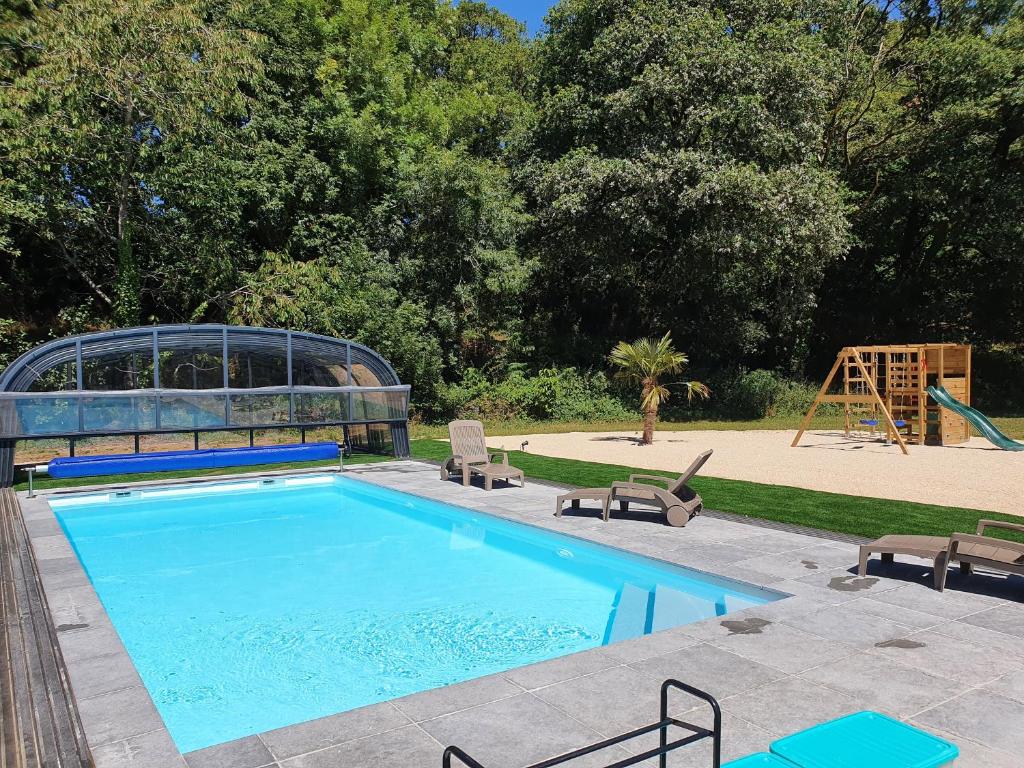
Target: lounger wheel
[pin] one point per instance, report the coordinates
(677, 516)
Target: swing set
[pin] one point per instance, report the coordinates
(884, 393)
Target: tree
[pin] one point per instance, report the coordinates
(674, 177)
(103, 90)
(646, 362)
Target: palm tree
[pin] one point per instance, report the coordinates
(645, 362)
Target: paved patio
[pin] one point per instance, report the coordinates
(952, 663)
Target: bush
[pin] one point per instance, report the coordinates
(757, 394)
(557, 394)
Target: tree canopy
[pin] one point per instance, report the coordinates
(765, 180)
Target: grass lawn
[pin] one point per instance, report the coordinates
(815, 509)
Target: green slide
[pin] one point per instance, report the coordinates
(977, 419)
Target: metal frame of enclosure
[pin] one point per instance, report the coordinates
(169, 379)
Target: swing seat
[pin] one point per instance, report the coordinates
(874, 422)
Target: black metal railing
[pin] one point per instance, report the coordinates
(696, 733)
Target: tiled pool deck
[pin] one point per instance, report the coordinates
(952, 663)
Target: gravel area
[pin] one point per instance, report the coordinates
(975, 474)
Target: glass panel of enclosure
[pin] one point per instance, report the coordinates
(259, 410)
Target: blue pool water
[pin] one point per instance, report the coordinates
(249, 606)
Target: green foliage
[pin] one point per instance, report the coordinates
(761, 394)
(674, 169)
(769, 181)
(559, 394)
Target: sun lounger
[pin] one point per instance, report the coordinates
(471, 457)
(677, 500)
(964, 548)
(601, 495)
(934, 548)
(987, 551)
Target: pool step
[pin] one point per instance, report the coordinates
(639, 611)
(631, 615)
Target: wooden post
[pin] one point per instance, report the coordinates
(817, 398)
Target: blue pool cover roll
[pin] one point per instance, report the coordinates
(165, 461)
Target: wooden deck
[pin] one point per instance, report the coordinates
(39, 724)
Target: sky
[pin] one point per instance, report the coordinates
(530, 11)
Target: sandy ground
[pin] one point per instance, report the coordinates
(974, 474)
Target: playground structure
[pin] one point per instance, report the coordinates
(884, 392)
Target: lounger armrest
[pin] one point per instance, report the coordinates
(989, 541)
(503, 454)
(983, 524)
(656, 478)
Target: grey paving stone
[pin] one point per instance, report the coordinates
(972, 754)
(883, 685)
(947, 604)
(102, 674)
(67, 572)
(150, 750)
(720, 552)
(610, 702)
(324, 732)
(408, 747)
(785, 565)
(844, 585)
(841, 625)
(74, 606)
(898, 613)
(511, 732)
(776, 542)
(946, 657)
(796, 605)
(118, 715)
(828, 555)
(780, 646)
(50, 547)
(42, 526)
(247, 752)
(648, 646)
(453, 698)
(739, 738)
(1008, 619)
(711, 669)
(1010, 646)
(99, 639)
(791, 704)
(985, 717)
(1010, 685)
(563, 668)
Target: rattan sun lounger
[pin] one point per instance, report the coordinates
(964, 548)
(602, 495)
(986, 551)
(677, 500)
(932, 548)
(471, 457)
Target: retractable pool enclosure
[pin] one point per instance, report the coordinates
(198, 378)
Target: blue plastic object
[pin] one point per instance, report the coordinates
(874, 422)
(164, 461)
(760, 760)
(865, 740)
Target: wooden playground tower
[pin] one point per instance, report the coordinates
(885, 389)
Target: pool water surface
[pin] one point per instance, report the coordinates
(253, 605)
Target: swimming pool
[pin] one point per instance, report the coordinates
(248, 606)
